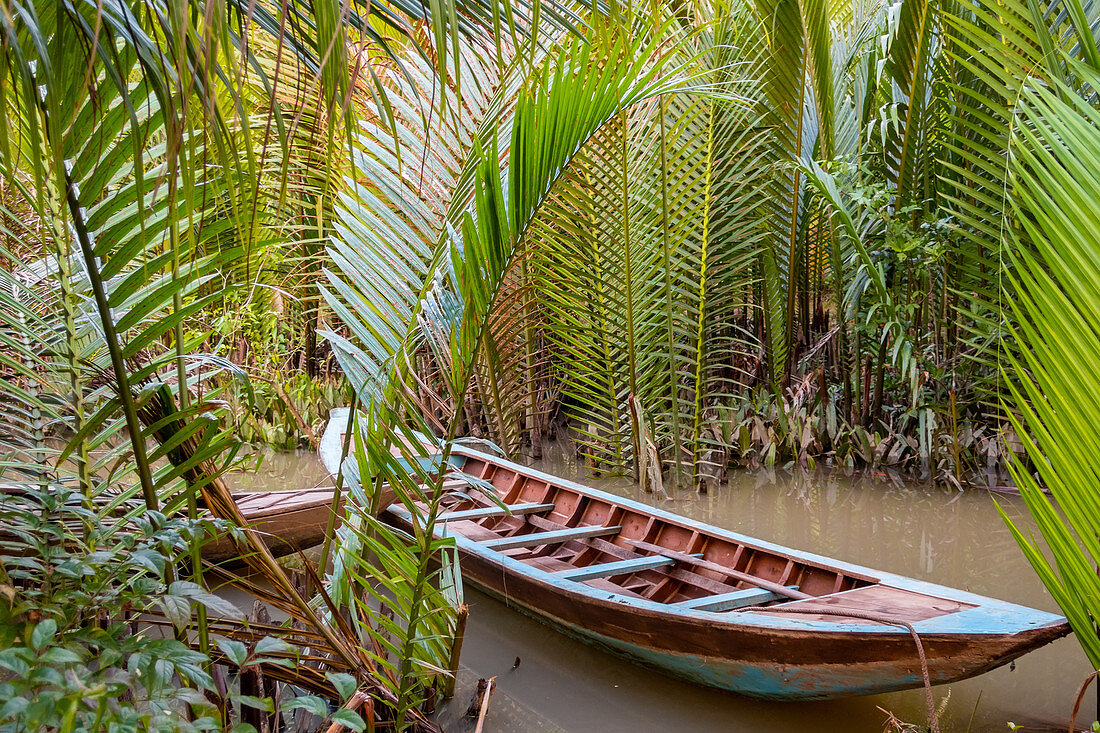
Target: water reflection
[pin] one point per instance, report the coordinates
(266, 470)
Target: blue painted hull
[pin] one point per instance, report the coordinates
(788, 660)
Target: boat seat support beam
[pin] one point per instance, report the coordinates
(611, 569)
(550, 538)
(496, 511)
(730, 601)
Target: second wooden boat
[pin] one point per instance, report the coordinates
(287, 521)
(713, 606)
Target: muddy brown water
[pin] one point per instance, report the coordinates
(935, 534)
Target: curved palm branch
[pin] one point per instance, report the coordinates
(565, 102)
(1053, 383)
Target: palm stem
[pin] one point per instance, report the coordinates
(666, 247)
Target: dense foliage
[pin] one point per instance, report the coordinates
(675, 235)
(800, 257)
(151, 156)
(1057, 281)
(87, 630)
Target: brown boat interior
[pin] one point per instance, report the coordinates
(288, 521)
(635, 555)
(627, 553)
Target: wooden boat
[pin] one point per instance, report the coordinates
(287, 520)
(708, 605)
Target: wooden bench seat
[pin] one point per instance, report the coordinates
(611, 569)
(554, 565)
(514, 510)
(553, 537)
(730, 601)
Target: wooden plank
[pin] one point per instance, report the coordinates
(882, 600)
(496, 511)
(551, 538)
(730, 601)
(544, 523)
(471, 530)
(256, 504)
(715, 567)
(553, 565)
(611, 569)
(682, 575)
(705, 582)
(610, 548)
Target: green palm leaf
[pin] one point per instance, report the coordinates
(457, 282)
(1053, 383)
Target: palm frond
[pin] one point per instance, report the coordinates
(456, 283)
(1056, 293)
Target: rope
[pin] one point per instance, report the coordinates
(1080, 699)
(933, 722)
